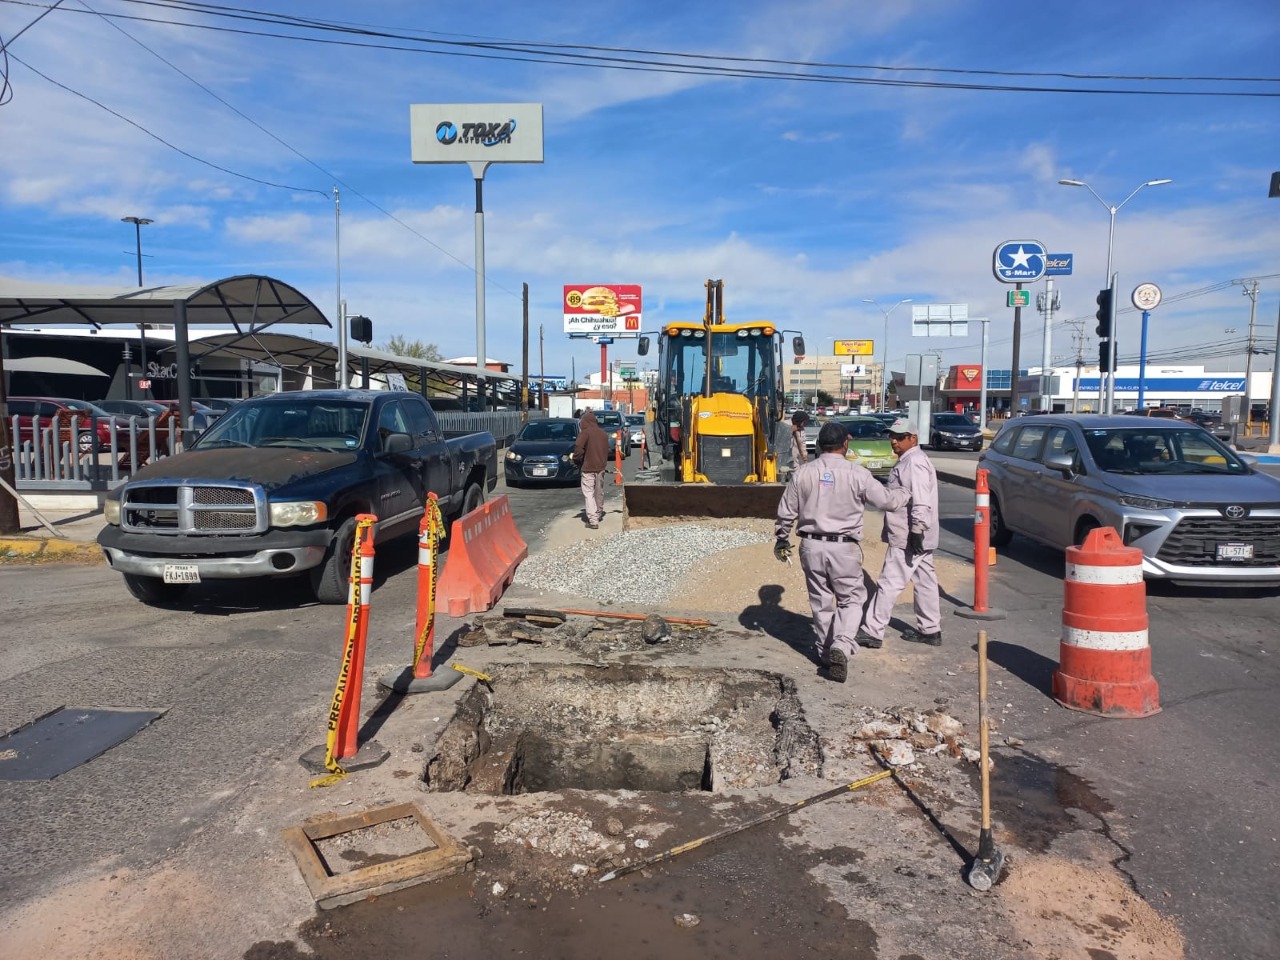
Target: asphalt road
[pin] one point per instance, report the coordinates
(1188, 797)
(1191, 790)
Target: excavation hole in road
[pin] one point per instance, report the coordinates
(624, 727)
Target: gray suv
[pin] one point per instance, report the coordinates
(1198, 511)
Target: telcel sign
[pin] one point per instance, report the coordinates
(476, 132)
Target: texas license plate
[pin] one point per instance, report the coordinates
(181, 573)
(539, 471)
(1235, 551)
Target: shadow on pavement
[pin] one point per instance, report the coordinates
(1034, 669)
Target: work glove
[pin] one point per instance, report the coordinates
(915, 544)
(782, 549)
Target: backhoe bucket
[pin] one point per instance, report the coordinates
(700, 501)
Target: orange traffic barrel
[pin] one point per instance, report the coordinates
(1104, 663)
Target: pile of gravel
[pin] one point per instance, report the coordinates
(638, 566)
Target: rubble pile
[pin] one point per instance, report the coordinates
(899, 734)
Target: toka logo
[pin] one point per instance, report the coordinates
(1235, 512)
(485, 134)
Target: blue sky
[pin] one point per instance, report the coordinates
(804, 197)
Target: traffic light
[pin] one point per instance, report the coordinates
(1106, 302)
(361, 329)
(1104, 355)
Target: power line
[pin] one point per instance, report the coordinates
(545, 53)
(160, 139)
(230, 106)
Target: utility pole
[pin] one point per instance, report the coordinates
(1080, 337)
(1250, 291)
(524, 366)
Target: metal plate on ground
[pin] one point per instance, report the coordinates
(65, 738)
(443, 856)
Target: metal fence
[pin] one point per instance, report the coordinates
(74, 456)
(503, 424)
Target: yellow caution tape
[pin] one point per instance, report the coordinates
(331, 764)
(472, 673)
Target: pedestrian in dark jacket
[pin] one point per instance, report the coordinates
(591, 453)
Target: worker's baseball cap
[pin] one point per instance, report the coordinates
(902, 427)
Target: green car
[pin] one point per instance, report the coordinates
(869, 444)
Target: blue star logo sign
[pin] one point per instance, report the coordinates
(1019, 261)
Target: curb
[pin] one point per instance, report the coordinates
(42, 548)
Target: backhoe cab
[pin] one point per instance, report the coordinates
(717, 413)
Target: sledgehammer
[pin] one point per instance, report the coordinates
(986, 866)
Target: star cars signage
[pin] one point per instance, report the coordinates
(1019, 261)
(604, 309)
(475, 132)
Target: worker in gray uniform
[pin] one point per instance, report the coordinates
(825, 501)
(912, 535)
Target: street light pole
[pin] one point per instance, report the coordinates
(138, 224)
(1111, 238)
(884, 361)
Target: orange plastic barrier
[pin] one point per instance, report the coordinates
(617, 457)
(1105, 659)
(358, 598)
(485, 548)
(984, 555)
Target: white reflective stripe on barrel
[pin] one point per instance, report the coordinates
(1089, 573)
(984, 500)
(366, 579)
(1104, 639)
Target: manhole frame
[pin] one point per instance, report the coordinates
(331, 890)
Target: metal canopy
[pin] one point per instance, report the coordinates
(250, 301)
(290, 350)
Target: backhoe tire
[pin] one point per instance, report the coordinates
(331, 580)
(152, 590)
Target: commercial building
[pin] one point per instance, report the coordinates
(1077, 389)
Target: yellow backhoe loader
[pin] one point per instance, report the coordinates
(716, 416)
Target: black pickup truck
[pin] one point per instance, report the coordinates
(274, 486)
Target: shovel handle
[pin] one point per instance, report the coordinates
(984, 738)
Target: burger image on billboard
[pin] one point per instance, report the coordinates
(601, 300)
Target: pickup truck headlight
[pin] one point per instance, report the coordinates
(513, 456)
(299, 513)
(566, 458)
(111, 512)
(1146, 503)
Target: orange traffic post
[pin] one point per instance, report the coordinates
(1105, 658)
(417, 677)
(342, 741)
(617, 458)
(982, 554)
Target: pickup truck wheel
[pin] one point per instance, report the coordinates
(330, 581)
(153, 590)
(473, 498)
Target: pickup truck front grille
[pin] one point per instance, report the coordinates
(165, 507)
